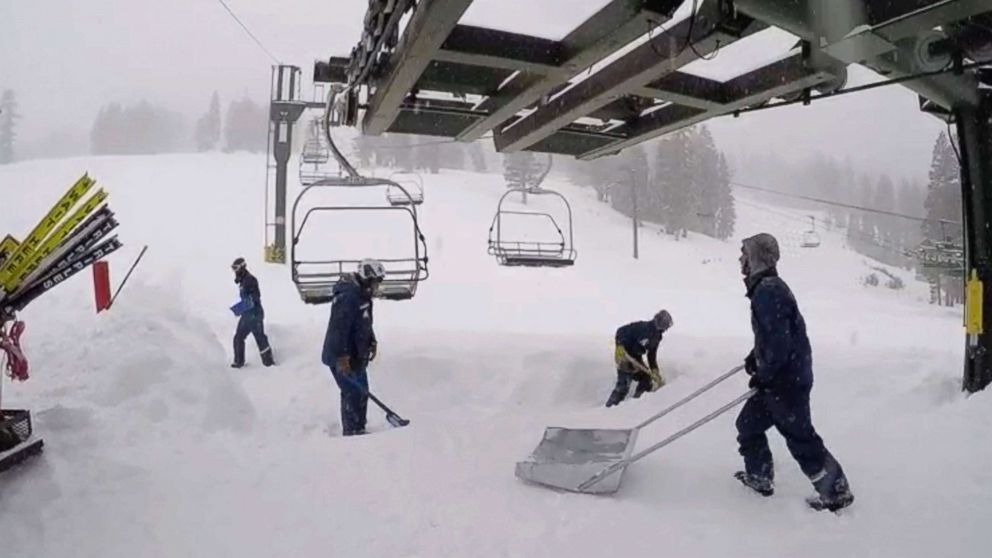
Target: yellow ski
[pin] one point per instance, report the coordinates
(7, 247)
(53, 240)
(23, 252)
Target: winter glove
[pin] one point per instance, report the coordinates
(343, 364)
(373, 351)
(750, 364)
(657, 381)
(756, 383)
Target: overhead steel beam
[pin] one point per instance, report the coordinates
(461, 78)
(685, 89)
(615, 25)
(429, 26)
(780, 78)
(490, 48)
(649, 62)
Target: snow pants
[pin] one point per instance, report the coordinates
(789, 413)
(354, 387)
(624, 379)
(253, 323)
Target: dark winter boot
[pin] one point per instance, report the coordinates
(832, 491)
(643, 386)
(267, 358)
(762, 485)
(615, 398)
(237, 365)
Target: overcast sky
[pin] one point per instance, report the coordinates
(66, 58)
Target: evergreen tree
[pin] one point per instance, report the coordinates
(726, 212)
(246, 126)
(8, 124)
(943, 201)
(207, 134)
(477, 157)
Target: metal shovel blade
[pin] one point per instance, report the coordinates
(567, 457)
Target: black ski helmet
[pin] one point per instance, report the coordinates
(663, 320)
(239, 264)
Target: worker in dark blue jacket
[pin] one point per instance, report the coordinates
(781, 369)
(350, 342)
(633, 342)
(252, 319)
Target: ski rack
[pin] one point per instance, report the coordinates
(522, 253)
(315, 279)
(414, 193)
(17, 423)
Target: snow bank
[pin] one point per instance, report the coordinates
(156, 448)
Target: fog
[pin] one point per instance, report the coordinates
(66, 59)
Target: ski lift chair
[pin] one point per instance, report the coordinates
(314, 156)
(412, 192)
(811, 239)
(315, 279)
(526, 253)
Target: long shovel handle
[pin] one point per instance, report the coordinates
(392, 417)
(691, 396)
(621, 464)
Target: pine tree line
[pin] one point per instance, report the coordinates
(944, 214)
(417, 153)
(144, 128)
(681, 182)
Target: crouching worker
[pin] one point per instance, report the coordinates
(633, 341)
(350, 342)
(781, 369)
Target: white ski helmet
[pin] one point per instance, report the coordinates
(371, 270)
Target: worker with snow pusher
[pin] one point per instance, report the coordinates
(251, 316)
(350, 342)
(781, 370)
(633, 341)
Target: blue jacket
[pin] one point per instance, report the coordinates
(248, 289)
(638, 338)
(349, 330)
(783, 359)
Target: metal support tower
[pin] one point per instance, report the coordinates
(974, 125)
(285, 108)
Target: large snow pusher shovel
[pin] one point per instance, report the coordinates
(593, 461)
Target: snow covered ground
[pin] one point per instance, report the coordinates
(154, 447)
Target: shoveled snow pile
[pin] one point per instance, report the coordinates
(154, 447)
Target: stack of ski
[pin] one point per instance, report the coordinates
(72, 236)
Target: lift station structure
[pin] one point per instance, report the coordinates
(618, 80)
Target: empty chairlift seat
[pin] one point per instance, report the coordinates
(811, 239)
(315, 155)
(556, 250)
(408, 189)
(315, 277)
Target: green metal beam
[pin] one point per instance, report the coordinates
(780, 78)
(651, 61)
(429, 26)
(615, 25)
(490, 48)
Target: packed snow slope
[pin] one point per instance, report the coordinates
(154, 447)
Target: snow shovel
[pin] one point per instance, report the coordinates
(391, 417)
(592, 461)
